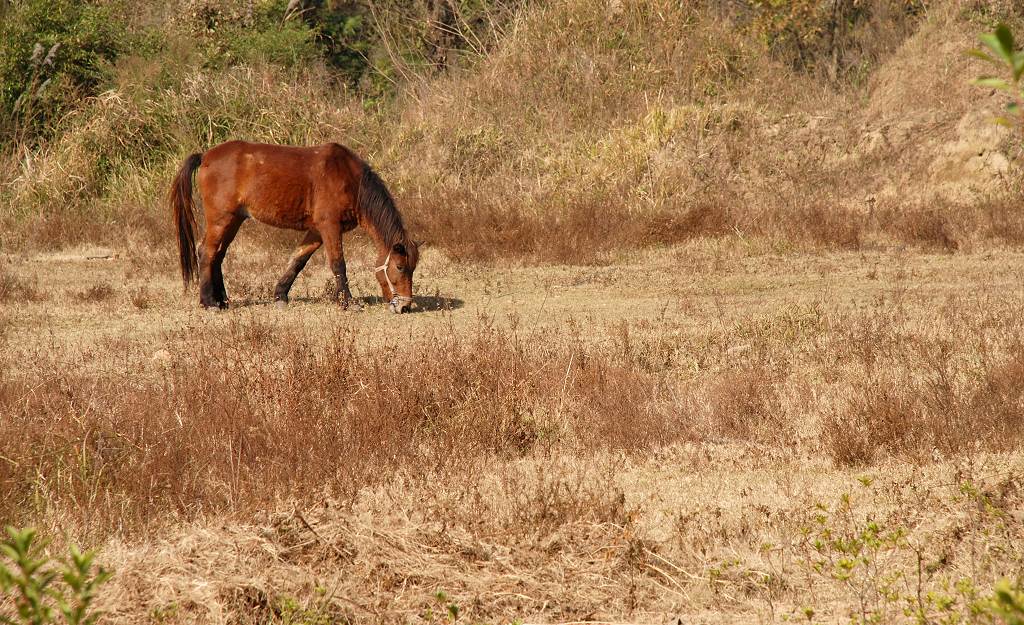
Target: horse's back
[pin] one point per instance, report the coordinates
(278, 185)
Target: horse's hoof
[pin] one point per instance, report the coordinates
(281, 304)
(352, 307)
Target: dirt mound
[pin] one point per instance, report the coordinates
(925, 130)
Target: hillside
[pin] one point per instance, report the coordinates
(556, 131)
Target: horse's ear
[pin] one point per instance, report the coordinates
(399, 249)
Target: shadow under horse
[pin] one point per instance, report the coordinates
(421, 303)
(324, 191)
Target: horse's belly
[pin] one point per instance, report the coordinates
(293, 217)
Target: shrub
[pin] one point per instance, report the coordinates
(53, 54)
(272, 35)
(346, 41)
(937, 404)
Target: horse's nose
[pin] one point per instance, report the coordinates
(399, 305)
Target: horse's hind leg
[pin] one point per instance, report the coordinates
(310, 244)
(218, 260)
(218, 237)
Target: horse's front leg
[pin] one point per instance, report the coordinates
(336, 261)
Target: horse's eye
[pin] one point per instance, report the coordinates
(400, 268)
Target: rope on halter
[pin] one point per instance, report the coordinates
(395, 297)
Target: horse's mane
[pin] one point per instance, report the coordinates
(379, 209)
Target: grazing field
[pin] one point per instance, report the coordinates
(711, 431)
(719, 318)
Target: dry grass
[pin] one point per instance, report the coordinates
(594, 453)
(96, 293)
(407, 555)
(139, 298)
(231, 420)
(943, 401)
(220, 428)
(14, 288)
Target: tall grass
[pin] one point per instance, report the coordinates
(236, 420)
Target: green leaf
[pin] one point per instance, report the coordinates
(1017, 62)
(992, 43)
(1000, 42)
(992, 82)
(1005, 37)
(981, 54)
(9, 551)
(1002, 121)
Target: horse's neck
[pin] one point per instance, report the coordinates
(383, 245)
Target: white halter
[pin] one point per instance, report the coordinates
(396, 299)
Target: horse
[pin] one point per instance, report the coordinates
(324, 191)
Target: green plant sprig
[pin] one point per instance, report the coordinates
(45, 591)
(1008, 602)
(1002, 52)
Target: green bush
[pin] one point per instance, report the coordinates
(44, 591)
(267, 31)
(346, 41)
(271, 34)
(53, 53)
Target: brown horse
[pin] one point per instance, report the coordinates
(325, 191)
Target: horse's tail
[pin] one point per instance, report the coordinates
(184, 207)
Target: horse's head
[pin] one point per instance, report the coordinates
(394, 273)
